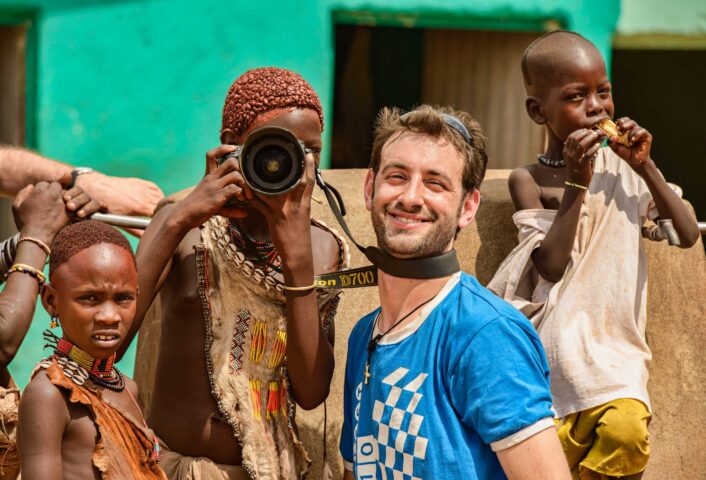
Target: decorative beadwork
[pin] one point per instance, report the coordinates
(98, 367)
(201, 254)
(264, 249)
(71, 369)
(279, 348)
(238, 346)
(223, 237)
(268, 387)
(550, 162)
(273, 401)
(80, 366)
(329, 312)
(255, 397)
(258, 342)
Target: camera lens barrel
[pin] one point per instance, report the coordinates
(272, 160)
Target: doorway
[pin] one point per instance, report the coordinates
(663, 90)
(471, 70)
(13, 54)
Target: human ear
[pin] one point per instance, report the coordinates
(534, 110)
(48, 294)
(228, 137)
(368, 189)
(469, 208)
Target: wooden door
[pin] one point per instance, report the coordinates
(479, 72)
(12, 103)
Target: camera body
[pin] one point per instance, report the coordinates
(272, 160)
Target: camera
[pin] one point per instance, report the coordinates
(272, 160)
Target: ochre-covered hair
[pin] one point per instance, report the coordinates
(79, 236)
(263, 89)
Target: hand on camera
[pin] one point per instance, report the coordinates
(640, 143)
(290, 204)
(221, 185)
(580, 148)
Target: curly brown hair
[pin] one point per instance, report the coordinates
(79, 236)
(263, 89)
(429, 120)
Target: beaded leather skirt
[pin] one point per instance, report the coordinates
(246, 338)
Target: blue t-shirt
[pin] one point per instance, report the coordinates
(468, 373)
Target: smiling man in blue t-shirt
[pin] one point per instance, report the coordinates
(445, 380)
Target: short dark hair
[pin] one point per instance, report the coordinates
(540, 57)
(429, 120)
(79, 236)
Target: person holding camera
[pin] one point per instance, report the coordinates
(235, 268)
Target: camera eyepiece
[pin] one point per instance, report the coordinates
(272, 160)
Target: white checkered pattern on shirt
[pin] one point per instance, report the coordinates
(405, 445)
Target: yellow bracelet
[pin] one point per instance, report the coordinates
(576, 185)
(37, 242)
(299, 289)
(29, 270)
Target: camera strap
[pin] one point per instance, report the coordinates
(419, 268)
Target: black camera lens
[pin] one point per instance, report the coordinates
(272, 160)
(272, 164)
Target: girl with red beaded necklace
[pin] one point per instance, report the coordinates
(78, 415)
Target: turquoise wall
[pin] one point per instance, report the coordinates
(683, 17)
(135, 87)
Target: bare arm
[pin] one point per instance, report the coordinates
(44, 417)
(22, 167)
(668, 203)
(310, 359)
(154, 261)
(552, 256)
(40, 212)
(173, 222)
(128, 196)
(537, 458)
(347, 475)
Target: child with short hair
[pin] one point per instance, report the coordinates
(579, 272)
(40, 211)
(79, 417)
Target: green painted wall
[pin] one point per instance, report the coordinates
(135, 87)
(685, 17)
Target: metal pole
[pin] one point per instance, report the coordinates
(124, 221)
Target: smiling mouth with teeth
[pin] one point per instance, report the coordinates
(105, 337)
(408, 219)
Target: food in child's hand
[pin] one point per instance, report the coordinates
(611, 129)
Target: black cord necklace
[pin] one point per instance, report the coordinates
(373, 343)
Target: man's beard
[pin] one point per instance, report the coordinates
(410, 244)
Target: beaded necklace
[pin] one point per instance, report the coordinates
(79, 366)
(264, 250)
(550, 162)
(101, 371)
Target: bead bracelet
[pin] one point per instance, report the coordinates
(37, 242)
(29, 270)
